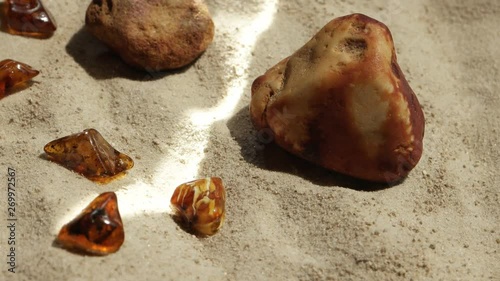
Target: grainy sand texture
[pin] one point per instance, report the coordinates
(286, 219)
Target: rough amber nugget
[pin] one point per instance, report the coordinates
(97, 230)
(200, 205)
(342, 102)
(29, 18)
(90, 155)
(13, 73)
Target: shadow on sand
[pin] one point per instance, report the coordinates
(101, 63)
(260, 151)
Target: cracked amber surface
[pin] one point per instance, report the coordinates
(199, 205)
(90, 155)
(97, 230)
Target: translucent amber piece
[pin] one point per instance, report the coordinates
(13, 73)
(90, 155)
(97, 230)
(200, 205)
(29, 18)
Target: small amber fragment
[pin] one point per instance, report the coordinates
(13, 73)
(200, 205)
(97, 230)
(90, 155)
(29, 18)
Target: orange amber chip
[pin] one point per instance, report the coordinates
(13, 73)
(200, 205)
(29, 18)
(97, 230)
(90, 155)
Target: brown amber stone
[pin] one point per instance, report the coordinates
(13, 73)
(29, 18)
(342, 102)
(90, 155)
(97, 230)
(200, 205)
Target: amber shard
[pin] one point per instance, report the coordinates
(200, 205)
(13, 73)
(97, 230)
(29, 18)
(90, 155)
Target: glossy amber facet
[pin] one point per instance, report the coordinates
(97, 230)
(90, 155)
(200, 205)
(29, 18)
(13, 73)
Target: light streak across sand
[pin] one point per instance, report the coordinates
(184, 157)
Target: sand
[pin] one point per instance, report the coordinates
(286, 219)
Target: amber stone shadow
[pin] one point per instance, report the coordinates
(57, 244)
(18, 88)
(3, 17)
(185, 226)
(257, 148)
(101, 63)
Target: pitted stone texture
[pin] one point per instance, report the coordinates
(152, 35)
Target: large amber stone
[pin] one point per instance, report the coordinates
(90, 155)
(97, 230)
(342, 102)
(199, 205)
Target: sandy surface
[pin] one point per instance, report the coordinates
(286, 220)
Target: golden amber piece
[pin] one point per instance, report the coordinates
(97, 230)
(13, 73)
(200, 205)
(29, 18)
(90, 155)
